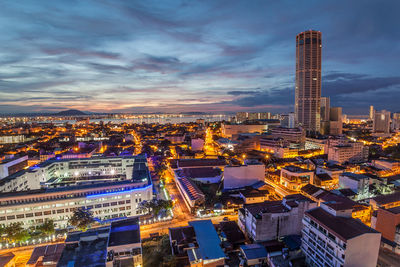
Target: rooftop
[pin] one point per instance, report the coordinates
(199, 172)
(124, 232)
(355, 176)
(232, 232)
(324, 177)
(85, 248)
(343, 227)
(386, 199)
(296, 169)
(254, 251)
(188, 163)
(6, 258)
(395, 210)
(47, 254)
(266, 207)
(208, 240)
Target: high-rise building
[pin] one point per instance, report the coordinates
(335, 121)
(325, 108)
(396, 121)
(381, 122)
(308, 80)
(371, 112)
(291, 120)
(325, 111)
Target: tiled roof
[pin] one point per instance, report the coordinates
(385, 199)
(343, 227)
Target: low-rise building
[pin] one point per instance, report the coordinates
(359, 183)
(251, 196)
(243, 175)
(320, 196)
(8, 259)
(294, 178)
(124, 244)
(12, 165)
(116, 245)
(254, 254)
(207, 175)
(47, 255)
(385, 201)
(228, 130)
(270, 220)
(291, 135)
(198, 243)
(333, 171)
(197, 163)
(342, 151)
(190, 192)
(387, 221)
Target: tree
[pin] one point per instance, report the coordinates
(81, 219)
(47, 228)
(16, 233)
(155, 206)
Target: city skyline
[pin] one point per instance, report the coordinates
(180, 57)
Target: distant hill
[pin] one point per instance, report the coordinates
(70, 112)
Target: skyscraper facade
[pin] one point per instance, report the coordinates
(325, 108)
(308, 80)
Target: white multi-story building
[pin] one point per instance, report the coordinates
(12, 165)
(359, 183)
(332, 238)
(342, 150)
(57, 172)
(111, 187)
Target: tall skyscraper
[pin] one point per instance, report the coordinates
(308, 80)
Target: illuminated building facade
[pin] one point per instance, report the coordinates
(381, 122)
(308, 80)
(113, 189)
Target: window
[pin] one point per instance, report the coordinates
(331, 236)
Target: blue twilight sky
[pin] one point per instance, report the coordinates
(211, 56)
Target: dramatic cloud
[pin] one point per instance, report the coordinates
(151, 56)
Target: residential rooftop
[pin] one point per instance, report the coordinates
(208, 240)
(386, 199)
(124, 232)
(344, 228)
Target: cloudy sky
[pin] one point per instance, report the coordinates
(212, 56)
